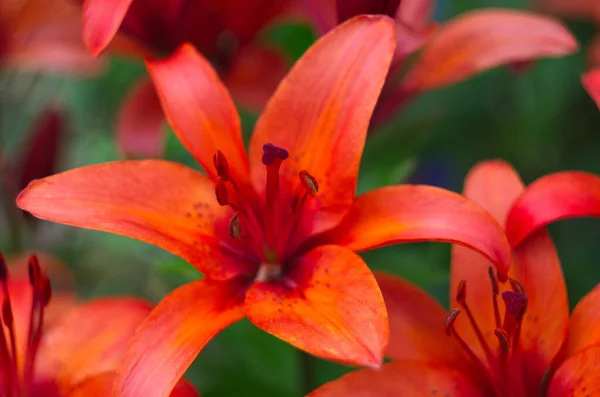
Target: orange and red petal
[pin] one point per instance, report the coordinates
(321, 111)
(486, 39)
(416, 324)
(403, 378)
(100, 385)
(578, 376)
(159, 202)
(200, 109)
(141, 122)
(494, 185)
(409, 213)
(557, 196)
(89, 339)
(329, 306)
(101, 21)
(171, 337)
(591, 82)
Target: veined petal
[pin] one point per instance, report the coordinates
(402, 378)
(89, 339)
(416, 324)
(494, 185)
(101, 386)
(553, 197)
(101, 21)
(408, 213)
(578, 376)
(320, 113)
(591, 82)
(200, 110)
(483, 39)
(159, 202)
(140, 124)
(171, 337)
(584, 326)
(330, 306)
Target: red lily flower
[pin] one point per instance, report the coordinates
(273, 231)
(487, 38)
(42, 35)
(74, 352)
(512, 339)
(223, 31)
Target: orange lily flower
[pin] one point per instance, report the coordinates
(224, 31)
(43, 35)
(503, 339)
(471, 43)
(274, 230)
(66, 349)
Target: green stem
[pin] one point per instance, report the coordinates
(306, 368)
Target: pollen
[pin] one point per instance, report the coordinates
(309, 182)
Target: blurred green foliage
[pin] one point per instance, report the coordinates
(540, 121)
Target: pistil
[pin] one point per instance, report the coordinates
(272, 158)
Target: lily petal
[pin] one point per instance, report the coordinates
(347, 9)
(484, 39)
(402, 378)
(408, 213)
(591, 82)
(89, 339)
(320, 113)
(101, 386)
(156, 201)
(553, 197)
(578, 376)
(494, 185)
(329, 306)
(416, 324)
(171, 337)
(584, 325)
(101, 21)
(140, 124)
(199, 109)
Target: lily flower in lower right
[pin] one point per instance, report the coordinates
(500, 339)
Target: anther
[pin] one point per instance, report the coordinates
(449, 321)
(35, 272)
(516, 286)
(308, 182)
(272, 152)
(221, 192)
(221, 165)
(504, 340)
(235, 229)
(461, 292)
(45, 291)
(7, 316)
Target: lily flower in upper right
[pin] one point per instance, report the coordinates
(452, 51)
(501, 339)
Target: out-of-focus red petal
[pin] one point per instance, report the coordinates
(140, 124)
(591, 82)
(101, 386)
(347, 9)
(553, 197)
(323, 14)
(254, 75)
(320, 113)
(494, 185)
(172, 335)
(402, 378)
(101, 21)
(156, 201)
(88, 340)
(578, 376)
(483, 39)
(200, 110)
(409, 213)
(579, 9)
(416, 324)
(330, 306)
(584, 326)
(415, 13)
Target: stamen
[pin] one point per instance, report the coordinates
(516, 286)
(10, 357)
(461, 292)
(504, 341)
(222, 192)
(221, 165)
(495, 292)
(449, 321)
(309, 182)
(272, 158)
(235, 229)
(451, 331)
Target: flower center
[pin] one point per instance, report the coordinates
(500, 367)
(271, 231)
(16, 378)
